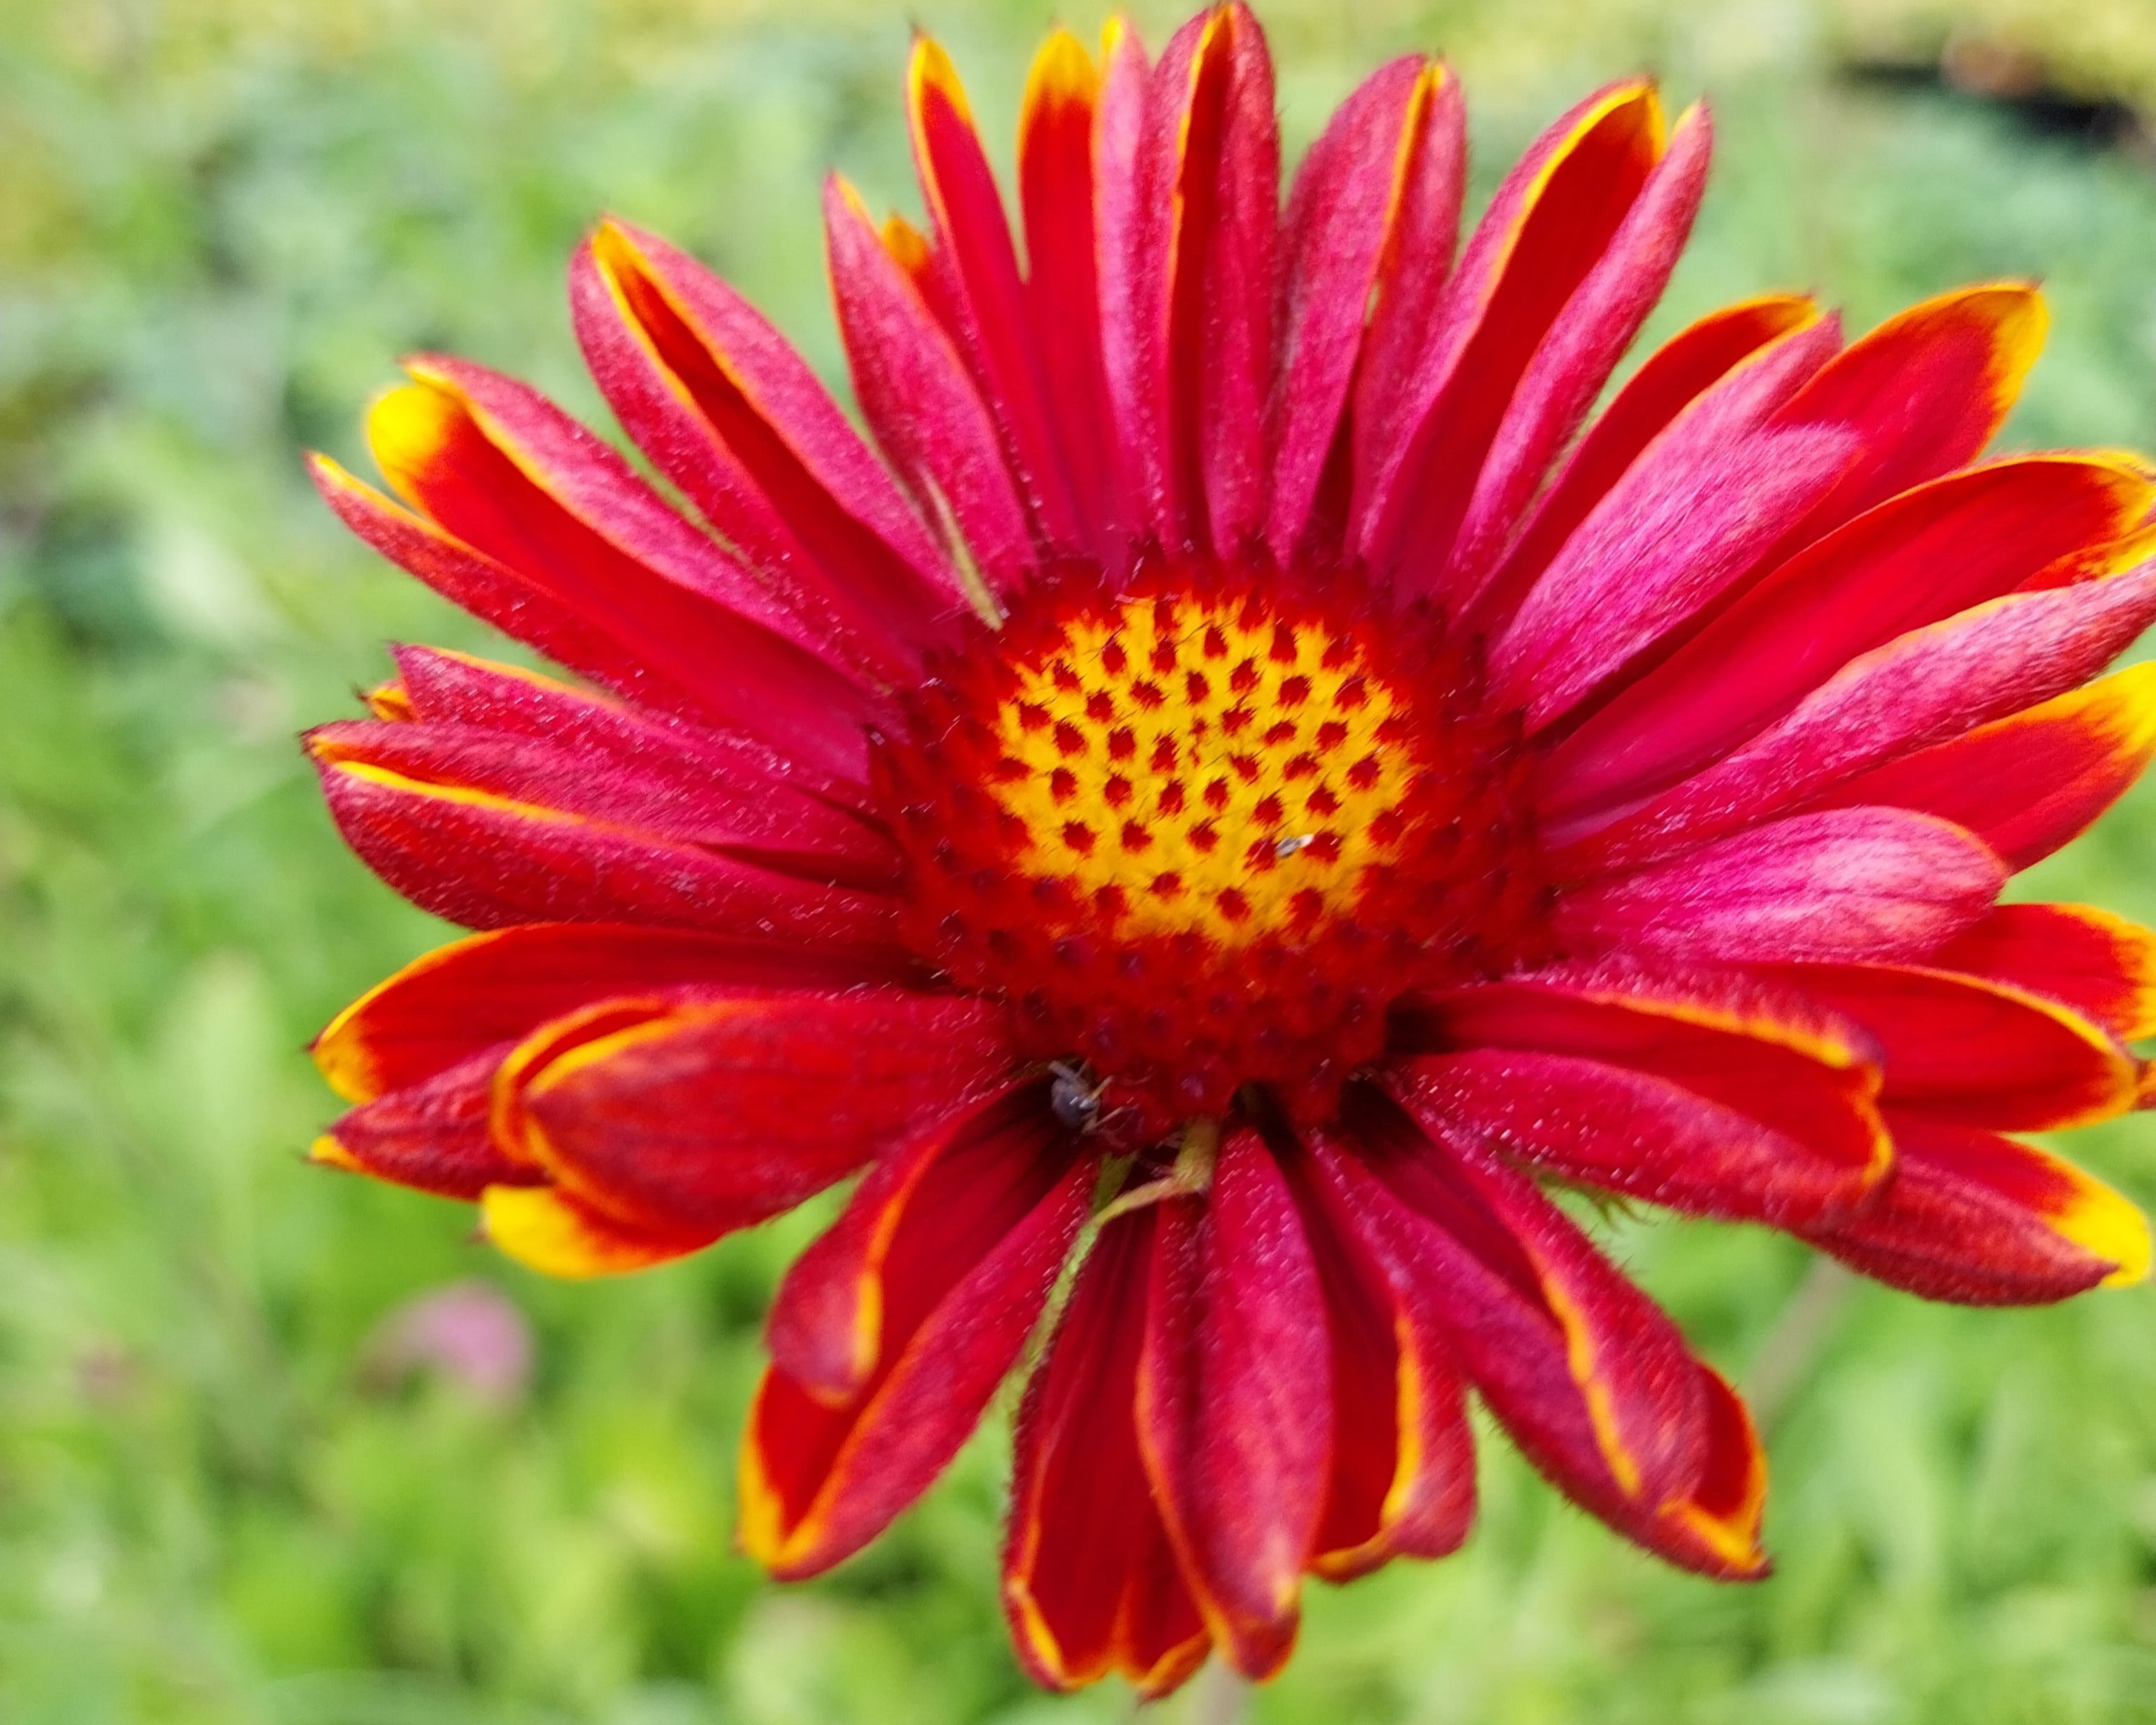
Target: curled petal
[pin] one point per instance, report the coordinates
(1592, 1382)
(1958, 1047)
(988, 300)
(715, 1113)
(509, 475)
(1402, 1486)
(607, 646)
(2100, 965)
(1709, 1094)
(671, 796)
(1849, 883)
(1582, 348)
(497, 987)
(1234, 1401)
(434, 683)
(1344, 220)
(1207, 165)
(917, 397)
(902, 1320)
(1091, 1582)
(1418, 452)
(1983, 1220)
(429, 1132)
(734, 416)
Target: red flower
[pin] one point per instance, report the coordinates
(1247, 785)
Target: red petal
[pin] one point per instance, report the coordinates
(1983, 1220)
(1209, 173)
(1914, 560)
(1925, 687)
(667, 794)
(1849, 883)
(465, 998)
(1234, 1401)
(1589, 1376)
(1091, 1583)
(1571, 365)
(1708, 1093)
(1402, 1486)
(1055, 178)
(917, 395)
(2100, 964)
(430, 1133)
(1926, 390)
(1415, 278)
(1694, 517)
(909, 1312)
(1122, 208)
(732, 415)
(1984, 1054)
(714, 1113)
(457, 688)
(2028, 783)
(988, 303)
(1417, 455)
(510, 476)
(1344, 216)
(487, 861)
(1683, 368)
(610, 649)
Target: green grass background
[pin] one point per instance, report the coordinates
(219, 225)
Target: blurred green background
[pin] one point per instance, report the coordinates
(231, 1489)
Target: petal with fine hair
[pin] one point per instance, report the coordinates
(733, 416)
(713, 1112)
(892, 1331)
(1574, 361)
(2034, 780)
(498, 986)
(1234, 1403)
(1866, 882)
(2100, 964)
(1342, 223)
(1923, 688)
(429, 1132)
(1915, 560)
(1417, 454)
(1091, 1583)
(1982, 1053)
(1985, 1221)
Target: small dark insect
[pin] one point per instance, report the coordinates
(1074, 1098)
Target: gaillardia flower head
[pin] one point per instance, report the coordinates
(1239, 789)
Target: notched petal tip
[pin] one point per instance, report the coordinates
(325, 1152)
(2106, 1225)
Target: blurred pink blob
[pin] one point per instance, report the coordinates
(469, 1332)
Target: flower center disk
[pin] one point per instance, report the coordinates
(1202, 830)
